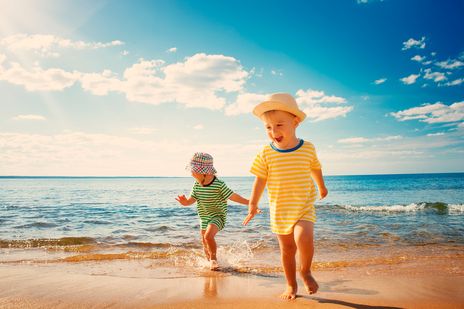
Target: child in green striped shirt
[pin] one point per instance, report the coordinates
(211, 195)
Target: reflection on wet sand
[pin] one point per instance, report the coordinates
(210, 287)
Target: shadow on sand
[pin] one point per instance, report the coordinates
(349, 304)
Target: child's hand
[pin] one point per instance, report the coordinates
(323, 192)
(183, 200)
(253, 210)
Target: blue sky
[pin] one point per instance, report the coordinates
(134, 88)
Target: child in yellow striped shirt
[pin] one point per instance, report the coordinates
(288, 167)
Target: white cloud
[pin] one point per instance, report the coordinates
(411, 79)
(199, 81)
(48, 44)
(435, 76)
(418, 58)
(78, 153)
(202, 80)
(390, 138)
(436, 134)
(433, 113)
(244, 103)
(450, 64)
(101, 83)
(216, 72)
(172, 50)
(455, 82)
(376, 154)
(380, 81)
(276, 73)
(414, 43)
(367, 1)
(402, 151)
(360, 140)
(125, 53)
(317, 105)
(30, 117)
(38, 79)
(406, 154)
(314, 97)
(319, 113)
(353, 140)
(199, 127)
(194, 82)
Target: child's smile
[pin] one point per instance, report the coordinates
(280, 127)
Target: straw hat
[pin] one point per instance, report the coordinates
(281, 102)
(201, 163)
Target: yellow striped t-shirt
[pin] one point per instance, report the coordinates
(290, 187)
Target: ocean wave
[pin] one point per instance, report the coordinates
(163, 228)
(40, 225)
(44, 242)
(94, 221)
(437, 207)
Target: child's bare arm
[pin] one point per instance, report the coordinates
(258, 188)
(239, 199)
(185, 201)
(316, 174)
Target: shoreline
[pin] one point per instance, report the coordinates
(434, 281)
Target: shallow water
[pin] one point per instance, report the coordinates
(91, 219)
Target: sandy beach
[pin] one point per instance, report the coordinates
(434, 281)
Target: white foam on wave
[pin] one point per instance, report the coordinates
(456, 208)
(390, 208)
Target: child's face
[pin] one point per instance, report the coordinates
(280, 128)
(198, 177)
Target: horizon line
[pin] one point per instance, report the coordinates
(249, 176)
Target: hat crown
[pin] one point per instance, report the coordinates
(201, 158)
(283, 98)
(279, 101)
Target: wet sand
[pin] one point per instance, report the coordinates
(433, 283)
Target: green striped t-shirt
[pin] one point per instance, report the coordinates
(211, 199)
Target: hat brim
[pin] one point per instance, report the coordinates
(210, 170)
(266, 106)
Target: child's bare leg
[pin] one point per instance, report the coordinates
(205, 244)
(304, 239)
(210, 232)
(287, 254)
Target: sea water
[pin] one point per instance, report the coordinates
(90, 218)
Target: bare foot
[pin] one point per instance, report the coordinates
(214, 265)
(289, 294)
(310, 283)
